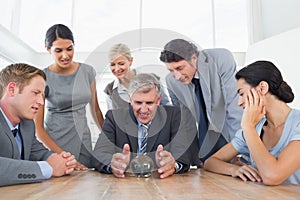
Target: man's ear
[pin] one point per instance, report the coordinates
(194, 60)
(263, 87)
(158, 99)
(11, 88)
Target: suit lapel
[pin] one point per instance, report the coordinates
(156, 127)
(185, 94)
(203, 71)
(131, 130)
(26, 138)
(7, 133)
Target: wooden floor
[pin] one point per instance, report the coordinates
(196, 184)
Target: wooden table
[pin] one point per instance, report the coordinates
(196, 184)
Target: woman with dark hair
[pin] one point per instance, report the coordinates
(69, 88)
(270, 131)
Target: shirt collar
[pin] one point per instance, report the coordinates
(116, 84)
(8, 122)
(119, 85)
(139, 123)
(196, 75)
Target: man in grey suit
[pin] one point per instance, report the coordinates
(171, 137)
(204, 82)
(22, 158)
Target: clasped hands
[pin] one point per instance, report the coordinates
(163, 159)
(62, 164)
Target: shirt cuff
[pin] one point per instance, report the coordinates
(179, 167)
(107, 169)
(46, 169)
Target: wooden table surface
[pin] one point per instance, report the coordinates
(196, 184)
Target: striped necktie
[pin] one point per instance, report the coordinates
(143, 147)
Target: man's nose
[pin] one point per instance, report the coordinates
(176, 75)
(40, 99)
(144, 107)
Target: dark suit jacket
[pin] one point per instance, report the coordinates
(175, 129)
(16, 171)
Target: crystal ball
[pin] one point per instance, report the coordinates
(141, 166)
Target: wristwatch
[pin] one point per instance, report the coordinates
(176, 167)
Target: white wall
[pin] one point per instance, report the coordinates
(279, 16)
(283, 50)
(268, 18)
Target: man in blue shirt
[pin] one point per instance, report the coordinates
(23, 159)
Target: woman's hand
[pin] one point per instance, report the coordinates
(247, 172)
(254, 109)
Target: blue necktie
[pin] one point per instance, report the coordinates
(203, 121)
(143, 147)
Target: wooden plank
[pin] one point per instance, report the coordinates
(196, 184)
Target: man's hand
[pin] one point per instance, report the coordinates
(120, 161)
(165, 162)
(62, 163)
(80, 167)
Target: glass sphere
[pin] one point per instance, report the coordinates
(141, 166)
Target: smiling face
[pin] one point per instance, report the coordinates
(62, 51)
(120, 66)
(145, 105)
(25, 103)
(183, 70)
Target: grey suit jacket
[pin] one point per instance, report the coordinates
(16, 171)
(171, 127)
(216, 68)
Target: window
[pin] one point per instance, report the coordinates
(4, 62)
(209, 23)
(231, 24)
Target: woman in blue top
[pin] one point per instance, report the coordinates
(270, 131)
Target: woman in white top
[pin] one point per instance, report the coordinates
(116, 91)
(270, 131)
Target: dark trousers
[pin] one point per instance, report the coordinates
(220, 143)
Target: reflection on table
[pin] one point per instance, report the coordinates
(196, 184)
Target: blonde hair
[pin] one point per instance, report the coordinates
(118, 50)
(20, 73)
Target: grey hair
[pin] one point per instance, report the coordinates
(144, 83)
(119, 50)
